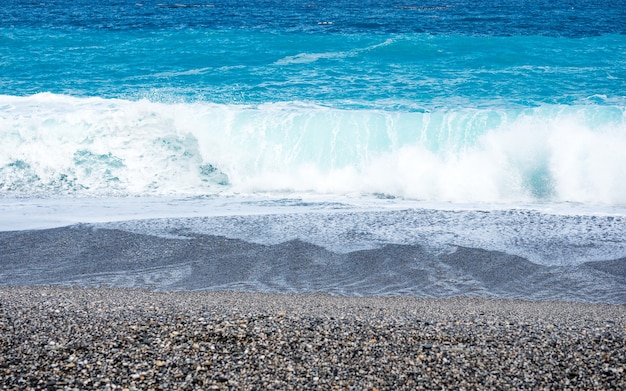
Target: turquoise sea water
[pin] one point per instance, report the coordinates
(231, 107)
(459, 101)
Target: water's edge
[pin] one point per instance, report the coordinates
(86, 256)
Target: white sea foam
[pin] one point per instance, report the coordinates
(305, 58)
(555, 234)
(54, 144)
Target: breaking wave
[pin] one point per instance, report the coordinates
(56, 144)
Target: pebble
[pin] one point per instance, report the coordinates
(77, 338)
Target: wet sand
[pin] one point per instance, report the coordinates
(85, 255)
(101, 338)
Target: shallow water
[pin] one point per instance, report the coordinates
(295, 245)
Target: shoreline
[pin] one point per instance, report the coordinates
(112, 338)
(174, 255)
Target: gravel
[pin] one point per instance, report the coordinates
(120, 339)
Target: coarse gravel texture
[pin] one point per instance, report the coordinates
(117, 339)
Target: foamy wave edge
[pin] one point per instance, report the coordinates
(57, 144)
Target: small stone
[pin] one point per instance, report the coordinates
(323, 347)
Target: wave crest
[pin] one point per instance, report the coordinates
(58, 144)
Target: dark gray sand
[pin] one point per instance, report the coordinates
(84, 255)
(77, 338)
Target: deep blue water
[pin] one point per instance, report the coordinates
(561, 18)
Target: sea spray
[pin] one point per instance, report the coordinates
(55, 144)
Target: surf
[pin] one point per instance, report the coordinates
(57, 144)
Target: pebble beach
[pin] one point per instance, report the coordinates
(64, 338)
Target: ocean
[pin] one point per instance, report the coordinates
(363, 148)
